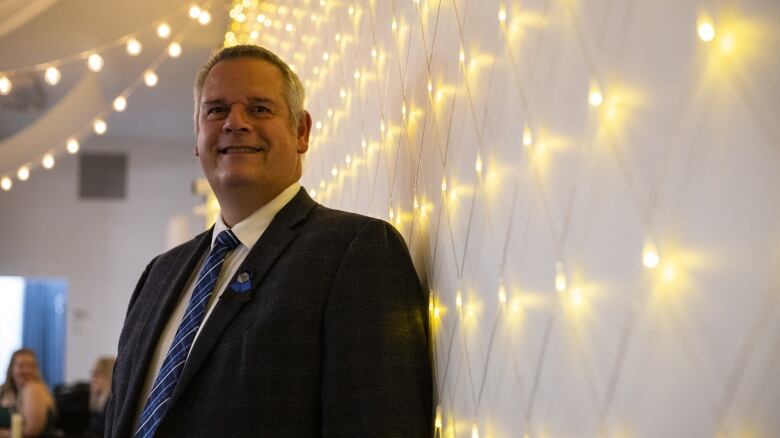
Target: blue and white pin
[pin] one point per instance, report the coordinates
(243, 283)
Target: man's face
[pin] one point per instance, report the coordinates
(246, 139)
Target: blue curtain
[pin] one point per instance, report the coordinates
(43, 326)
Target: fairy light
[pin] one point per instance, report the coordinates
(48, 161)
(357, 74)
(444, 184)
(437, 423)
(669, 273)
(313, 193)
(343, 93)
(348, 159)
(150, 78)
(5, 85)
(576, 297)
(394, 25)
(174, 50)
(318, 125)
(329, 113)
(120, 103)
(373, 52)
(650, 257)
(595, 98)
(351, 10)
(95, 62)
(204, 18)
(459, 299)
(134, 47)
(325, 56)
(462, 56)
(52, 76)
(502, 14)
(99, 126)
(706, 30)
(164, 31)
(288, 27)
(6, 183)
(474, 431)
(23, 173)
(502, 293)
(528, 138)
(194, 11)
(72, 146)
(334, 171)
(478, 164)
(560, 277)
(430, 87)
(337, 37)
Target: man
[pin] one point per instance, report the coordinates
(286, 318)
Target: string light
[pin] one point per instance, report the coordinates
(706, 30)
(650, 257)
(52, 76)
(48, 161)
(23, 173)
(5, 85)
(502, 14)
(134, 47)
(72, 146)
(99, 126)
(6, 183)
(595, 98)
(313, 193)
(95, 62)
(164, 31)
(474, 431)
(501, 293)
(334, 171)
(576, 296)
(528, 138)
(343, 93)
(478, 164)
(194, 11)
(174, 50)
(437, 422)
(204, 18)
(150, 78)
(351, 10)
(462, 55)
(458, 299)
(444, 184)
(120, 103)
(560, 277)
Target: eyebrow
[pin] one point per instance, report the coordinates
(265, 100)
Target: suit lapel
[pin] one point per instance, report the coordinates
(276, 238)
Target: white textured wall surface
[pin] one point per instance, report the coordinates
(681, 159)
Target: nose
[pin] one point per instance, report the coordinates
(236, 120)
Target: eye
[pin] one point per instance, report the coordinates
(260, 109)
(214, 110)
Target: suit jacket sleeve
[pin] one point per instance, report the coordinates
(376, 378)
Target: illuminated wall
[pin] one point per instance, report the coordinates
(590, 189)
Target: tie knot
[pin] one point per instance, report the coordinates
(226, 239)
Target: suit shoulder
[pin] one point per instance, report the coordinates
(333, 219)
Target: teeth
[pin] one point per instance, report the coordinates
(241, 149)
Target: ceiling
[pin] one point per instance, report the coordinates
(57, 29)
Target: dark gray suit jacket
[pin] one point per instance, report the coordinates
(330, 340)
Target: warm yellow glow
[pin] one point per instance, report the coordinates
(6, 183)
(348, 159)
(595, 98)
(437, 423)
(474, 431)
(52, 76)
(23, 173)
(325, 56)
(706, 29)
(357, 74)
(478, 163)
(502, 293)
(391, 213)
(318, 125)
(194, 11)
(313, 193)
(323, 3)
(373, 52)
(528, 138)
(458, 299)
(95, 62)
(204, 18)
(650, 257)
(462, 55)
(322, 184)
(337, 37)
(150, 78)
(394, 25)
(120, 103)
(289, 27)
(48, 161)
(174, 50)
(560, 277)
(343, 93)
(576, 296)
(444, 184)
(669, 273)
(334, 171)
(727, 44)
(164, 30)
(351, 10)
(133, 47)
(430, 87)
(502, 14)
(99, 126)
(72, 146)
(5, 85)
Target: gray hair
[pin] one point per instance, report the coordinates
(293, 92)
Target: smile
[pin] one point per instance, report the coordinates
(240, 150)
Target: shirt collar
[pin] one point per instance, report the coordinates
(249, 230)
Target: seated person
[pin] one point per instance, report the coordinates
(24, 392)
(99, 390)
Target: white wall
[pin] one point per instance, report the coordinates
(11, 311)
(100, 247)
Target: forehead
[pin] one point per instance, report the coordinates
(24, 359)
(242, 76)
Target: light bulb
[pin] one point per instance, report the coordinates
(72, 145)
(478, 163)
(204, 18)
(52, 76)
(174, 50)
(23, 173)
(459, 299)
(437, 422)
(502, 293)
(576, 297)
(150, 78)
(351, 10)
(343, 93)
(560, 277)
(444, 184)
(133, 47)
(5, 85)
(95, 62)
(595, 98)
(706, 30)
(650, 257)
(48, 161)
(462, 55)
(194, 11)
(6, 183)
(528, 138)
(322, 184)
(334, 171)
(348, 159)
(313, 193)
(430, 87)
(474, 431)
(318, 125)
(502, 14)
(99, 126)
(164, 30)
(120, 103)
(325, 56)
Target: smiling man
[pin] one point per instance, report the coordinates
(286, 318)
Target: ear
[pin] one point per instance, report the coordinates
(303, 131)
(195, 150)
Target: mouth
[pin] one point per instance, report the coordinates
(227, 150)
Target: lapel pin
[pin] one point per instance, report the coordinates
(243, 283)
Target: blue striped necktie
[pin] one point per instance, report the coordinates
(160, 396)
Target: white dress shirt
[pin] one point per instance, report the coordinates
(248, 232)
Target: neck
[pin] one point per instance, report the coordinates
(239, 204)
